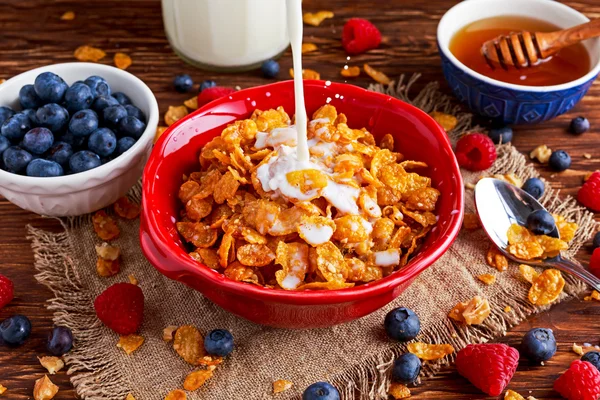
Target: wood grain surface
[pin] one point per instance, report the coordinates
(32, 35)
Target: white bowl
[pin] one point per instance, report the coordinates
(91, 190)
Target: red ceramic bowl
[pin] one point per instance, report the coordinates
(416, 135)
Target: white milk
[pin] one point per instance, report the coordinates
(226, 34)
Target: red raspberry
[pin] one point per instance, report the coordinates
(213, 93)
(589, 194)
(489, 367)
(6, 291)
(580, 382)
(121, 308)
(359, 35)
(595, 262)
(475, 152)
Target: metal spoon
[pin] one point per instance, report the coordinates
(499, 205)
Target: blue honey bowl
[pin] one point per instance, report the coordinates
(506, 102)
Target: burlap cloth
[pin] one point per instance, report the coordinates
(355, 356)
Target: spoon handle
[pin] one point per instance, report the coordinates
(577, 270)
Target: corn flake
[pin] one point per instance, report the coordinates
(488, 279)
(52, 364)
(89, 53)
(308, 48)
(44, 389)
(125, 208)
(122, 60)
(189, 344)
(315, 19)
(241, 273)
(129, 397)
(430, 352)
(350, 72)
(130, 343)
(293, 257)
(565, 228)
(528, 273)
(281, 385)
(510, 395)
(473, 312)
(594, 296)
(174, 114)
(398, 391)
(307, 74)
(107, 268)
(192, 103)
(169, 332)
(377, 76)
(196, 379)
(496, 259)
(542, 153)
(255, 255)
(471, 222)
(197, 233)
(2, 389)
(105, 226)
(176, 394)
(546, 287)
(316, 230)
(507, 309)
(446, 121)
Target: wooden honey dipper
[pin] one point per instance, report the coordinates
(526, 49)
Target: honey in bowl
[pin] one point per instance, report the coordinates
(569, 64)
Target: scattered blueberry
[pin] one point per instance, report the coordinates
(98, 86)
(535, 187)
(406, 368)
(83, 123)
(16, 159)
(60, 153)
(219, 342)
(131, 126)
(112, 115)
(29, 98)
(270, 69)
(593, 357)
(103, 142)
(78, 97)
(4, 143)
(541, 222)
(38, 140)
(122, 98)
(560, 160)
(183, 83)
(5, 113)
(538, 345)
(207, 84)
(60, 341)
(123, 145)
(16, 127)
(579, 125)
(83, 161)
(50, 87)
(133, 111)
(595, 242)
(102, 102)
(15, 330)
(502, 134)
(31, 114)
(402, 324)
(44, 168)
(321, 391)
(53, 117)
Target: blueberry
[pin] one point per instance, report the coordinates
(133, 111)
(123, 145)
(406, 368)
(60, 153)
(16, 159)
(206, 85)
(101, 102)
(15, 330)
(44, 168)
(50, 87)
(16, 127)
(112, 115)
(270, 69)
(593, 357)
(595, 242)
(535, 187)
(102, 142)
(5, 113)
(29, 98)
(60, 341)
(321, 391)
(78, 97)
(83, 161)
(76, 142)
(122, 98)
(183, 83)
(53, 117)
(131, 126)
(4, 143)
(218, 342)
(538, 345)
(579, 125)
(31, 114)
(560, 160)
(83, 123)
(402, 324)
(38, 140)
(541, 222)
(502, 134)
(98, 86)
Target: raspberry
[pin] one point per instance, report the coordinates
(213, 93)
(489, 367)
(121, 308)
(475, 152)
(359, 35)
(595, 263)
(6, 291)
(580, 382)
(589, 194)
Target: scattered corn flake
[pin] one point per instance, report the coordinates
(308, 48)
(130, 343)
(511, 395)
(473, 312)
(196, 379)
(2, 389)
(209, 361)
(350, 72)
(510, 178)
(430, 352)
(176, 394)
(108, 252)
(168, 332)
(68, 16)
(546, 287)
(398, 391)
(281, 385)
(122, 60)
(507, 309)
(447, 121)
(471, 222)
(189, 344)
(565, 228)
(44, 389)
(52, 364)
(587, 156)
(105, 226)
(132, 279)
(488, 279)
(89, 53)
(315, 19)
(175, 113)
(528, 273)
(470, 186)
(307, 74)
(542, 153)
(594, 296)
(2, 81)
(577, 349)
(107, 268)
(496, 259)
(129, 397)
(377, 76)
(192, 103)
(159, 131)
(125, 208)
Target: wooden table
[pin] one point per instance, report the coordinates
(32, 35)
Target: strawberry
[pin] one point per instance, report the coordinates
(360, 35)
(213, 93)
(6, 291)
(475, 152)
(121, 308)
(489, 367)
(589, 194)
(595, 263)
(580, 382)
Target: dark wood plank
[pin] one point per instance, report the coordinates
(33, 35)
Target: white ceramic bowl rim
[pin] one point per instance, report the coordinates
(89, 178)
(444, 37)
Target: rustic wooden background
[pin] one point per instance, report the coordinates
(32, 35)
